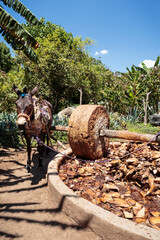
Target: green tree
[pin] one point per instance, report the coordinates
(64, 66)
(6, 61)
(7, 96)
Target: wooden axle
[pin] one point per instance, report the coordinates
(60, 128)
(121, 134)
(142, 137)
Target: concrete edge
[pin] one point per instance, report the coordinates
(100, 221)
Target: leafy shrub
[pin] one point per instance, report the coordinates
(134, 115)
(119, 121)
(59, 121)
(9, 135)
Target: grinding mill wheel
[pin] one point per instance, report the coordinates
(85, 124)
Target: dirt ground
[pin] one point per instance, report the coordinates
(26, 209)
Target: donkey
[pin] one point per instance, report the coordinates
(34, 119)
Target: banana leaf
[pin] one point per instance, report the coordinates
(18, 44)
(9, 24)
(14, 33)
(157, 61)
(19, 7)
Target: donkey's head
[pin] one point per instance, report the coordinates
(25, 108)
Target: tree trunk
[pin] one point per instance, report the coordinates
(80, 101)
(145, 105)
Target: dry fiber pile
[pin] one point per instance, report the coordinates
(126, 186)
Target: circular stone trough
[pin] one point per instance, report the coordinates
(102, 222)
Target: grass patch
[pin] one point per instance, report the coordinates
(141, 128)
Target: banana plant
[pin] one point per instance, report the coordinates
(133, 89)
(152, 81)
(14, 33)
(146, 70)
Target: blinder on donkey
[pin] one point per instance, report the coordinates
(34, 119)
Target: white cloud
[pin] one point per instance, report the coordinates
(148, 63)
(104, 51)
(96, 53)
(101, 52)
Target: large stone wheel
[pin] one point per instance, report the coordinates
(85, 124)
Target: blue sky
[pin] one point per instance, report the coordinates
(126, 32)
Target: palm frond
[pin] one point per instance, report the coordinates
(19, 7)
(18, 44)
(144, 67)
(140, 69)
(10, 25)
(157, 61)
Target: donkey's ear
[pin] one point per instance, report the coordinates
(25, 90)
(33, 92)
(15, 88)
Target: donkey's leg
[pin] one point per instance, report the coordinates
(28, 139)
